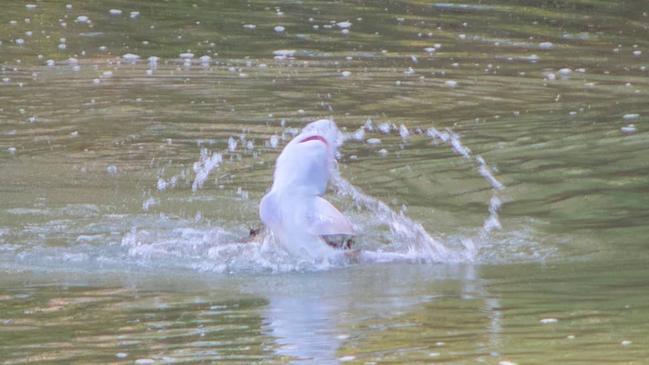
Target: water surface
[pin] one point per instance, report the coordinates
(523, 162)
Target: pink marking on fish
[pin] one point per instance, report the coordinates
(315, 138)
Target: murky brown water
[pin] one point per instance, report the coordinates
(107, 254)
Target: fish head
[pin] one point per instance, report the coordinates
(306, 162)
(323, 130)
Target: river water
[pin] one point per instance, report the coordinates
(494, 163)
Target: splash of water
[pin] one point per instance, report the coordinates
(420, 245)
(408, 239)
(452, 139)
(204, 166)
(158, 242)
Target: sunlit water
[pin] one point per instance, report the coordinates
(495, 163)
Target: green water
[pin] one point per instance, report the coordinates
(107, 254)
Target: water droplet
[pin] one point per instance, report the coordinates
(274, 141)
(147, 204)
(344, 25)
(565, 71)
(359, 135)
(284, 53)
(546, 45)
(450, 83)
(403, 131)
(111, 170)
(130, 57)
(144, 361)
(161, 185)
(629, 129)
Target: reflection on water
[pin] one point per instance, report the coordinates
(307, 318)
(137, 139)
(405, 314)
(312, 320)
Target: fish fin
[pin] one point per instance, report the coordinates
(269, 210)
(325, 219)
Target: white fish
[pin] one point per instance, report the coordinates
(294, 209)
